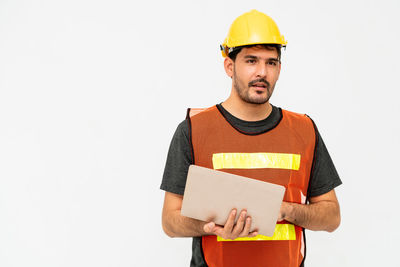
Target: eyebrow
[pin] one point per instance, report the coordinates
(254, 57)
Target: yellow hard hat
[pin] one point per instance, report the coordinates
(252, 27)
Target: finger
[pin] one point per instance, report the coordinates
(230, 222)
(253, 234)
(212, 228)
(237, 230)
(246, 229)
(219, 231)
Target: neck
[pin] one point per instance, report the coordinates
(247, 111)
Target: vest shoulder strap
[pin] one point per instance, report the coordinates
(194, 111)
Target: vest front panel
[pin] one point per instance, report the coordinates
(282, 155)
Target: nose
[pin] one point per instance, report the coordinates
(261, 70)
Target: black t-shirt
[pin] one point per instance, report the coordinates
(324, 176)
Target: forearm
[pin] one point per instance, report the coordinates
(320, 216)
(176, 225)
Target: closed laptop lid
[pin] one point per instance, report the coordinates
(210, 195)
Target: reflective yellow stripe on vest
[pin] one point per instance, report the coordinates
(256, 161)
(282, 232)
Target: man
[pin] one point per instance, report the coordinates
(259, 141)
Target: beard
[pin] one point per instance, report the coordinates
(244, 93)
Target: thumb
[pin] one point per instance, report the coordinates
(208, 227)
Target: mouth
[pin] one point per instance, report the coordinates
(259, 87)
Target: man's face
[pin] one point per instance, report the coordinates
(255, 72)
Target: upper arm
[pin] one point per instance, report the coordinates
(328, 207)
(172, 202)
(330, 196)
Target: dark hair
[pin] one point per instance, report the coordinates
(232, 55)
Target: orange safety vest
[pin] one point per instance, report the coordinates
(283, 155)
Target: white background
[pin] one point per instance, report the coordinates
(91, 93)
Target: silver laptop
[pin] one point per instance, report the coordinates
(210, 195)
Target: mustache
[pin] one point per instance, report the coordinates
(261, 80)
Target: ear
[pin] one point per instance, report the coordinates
(228, 65)
(279, 72)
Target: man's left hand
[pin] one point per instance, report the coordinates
(285, 207)
(323, 213)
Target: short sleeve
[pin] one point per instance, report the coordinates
(324, 176)
(178, 161)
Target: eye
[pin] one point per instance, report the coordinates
(251, 61)
(272, 63)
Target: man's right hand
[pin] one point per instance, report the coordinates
(176, 225)
(231, 230)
